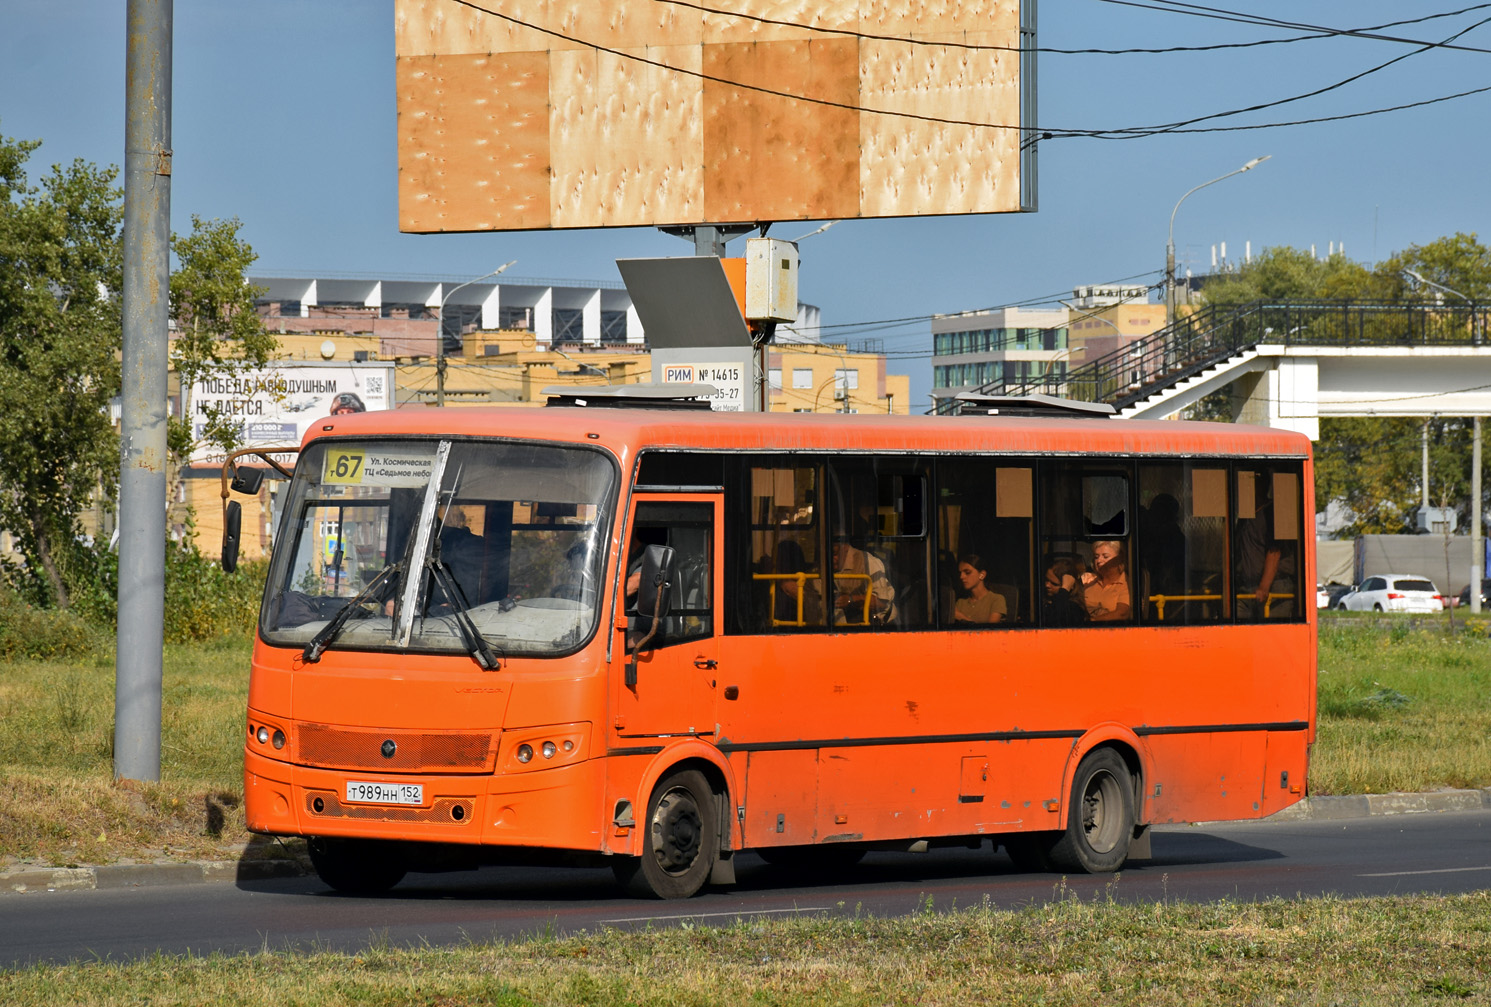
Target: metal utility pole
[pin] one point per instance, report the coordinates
(142, 484)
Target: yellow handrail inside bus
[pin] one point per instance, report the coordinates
(1160, 600)
(802, 580)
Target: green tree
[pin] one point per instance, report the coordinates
(218, 332)
(1288, 274)
(60, 330)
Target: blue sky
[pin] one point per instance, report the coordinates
(284, 117)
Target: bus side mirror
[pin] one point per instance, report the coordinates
(247, 480)
(232, 525)
(653, 599)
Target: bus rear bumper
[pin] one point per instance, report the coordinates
(552, 808)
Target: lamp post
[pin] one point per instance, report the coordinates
(440, 351)
(1477, 544)
(1170, 243)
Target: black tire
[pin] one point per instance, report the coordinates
(1377, 607)
(818, 859)
(1100, 816)
(680, 840)
(357, 866)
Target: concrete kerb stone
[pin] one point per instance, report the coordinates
(46, 879)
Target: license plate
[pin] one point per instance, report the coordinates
(359, 792)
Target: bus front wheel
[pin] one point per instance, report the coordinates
(681, 840)
(1100, 818)
(356, 866)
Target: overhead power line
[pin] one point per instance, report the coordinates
(1038, 133)
(1315, 33)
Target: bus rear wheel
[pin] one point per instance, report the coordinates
(681, 840)
(1100, 817)
(356, 866)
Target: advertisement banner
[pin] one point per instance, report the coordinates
(278, 404)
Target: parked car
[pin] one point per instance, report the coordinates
(1336, 592)
(1464, 600)
(1322, 597)
(1394, 592)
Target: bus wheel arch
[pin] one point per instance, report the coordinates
(684, 829)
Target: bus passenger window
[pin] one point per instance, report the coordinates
(878, 543)
(786, 585)
(1266, 544)
(1181, 552)
(1086, 538)
(985, 536)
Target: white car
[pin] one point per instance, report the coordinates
(1394, 592)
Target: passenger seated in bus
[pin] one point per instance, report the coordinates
(1105, 589)
(978, 605)
(857, 573)
(790, 560)
(1063, 606)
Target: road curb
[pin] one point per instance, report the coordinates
(1366, 805)
(56, 879)
(50, 879)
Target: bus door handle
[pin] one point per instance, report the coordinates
(705, 663)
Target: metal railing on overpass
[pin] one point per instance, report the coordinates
(1215, 334)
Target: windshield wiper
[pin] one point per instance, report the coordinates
(476, 644)
(318, 644)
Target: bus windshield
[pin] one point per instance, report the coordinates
(508, 546)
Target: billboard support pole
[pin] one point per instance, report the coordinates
(140, 642)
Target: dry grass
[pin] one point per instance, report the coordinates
(1367, 952)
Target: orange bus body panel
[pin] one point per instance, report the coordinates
(828, 737)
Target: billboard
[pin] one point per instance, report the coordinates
(276, 406)
(531, 114)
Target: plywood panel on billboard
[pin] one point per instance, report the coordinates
(551, 113)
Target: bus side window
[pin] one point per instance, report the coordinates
(1181, 551)
(986, 513)
(785, 582)
(1087, 536)
(1266, 543)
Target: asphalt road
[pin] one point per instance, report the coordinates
(1382, 855)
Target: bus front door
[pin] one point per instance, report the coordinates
(672, 690)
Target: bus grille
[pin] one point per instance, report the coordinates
(413, 751)
(445, 810)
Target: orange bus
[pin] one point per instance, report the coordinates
(652, 638)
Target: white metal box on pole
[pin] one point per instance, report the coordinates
(771, 280)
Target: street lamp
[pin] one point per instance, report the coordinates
(1170, 243)
(1477, 548)
(440, 352)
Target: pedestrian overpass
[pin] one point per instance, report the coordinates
(1288, 365)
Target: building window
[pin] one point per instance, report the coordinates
(774, 378)
(613, 326)
(802, 377)
(846, 378)
(569, 325)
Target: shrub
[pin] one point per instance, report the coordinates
(30, 632)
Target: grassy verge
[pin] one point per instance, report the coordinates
(56, 760)
(1369, 952)
(1403, 706)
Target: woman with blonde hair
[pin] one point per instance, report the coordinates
(1105, 589)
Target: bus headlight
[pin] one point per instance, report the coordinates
(262, 736)
(560, 745)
